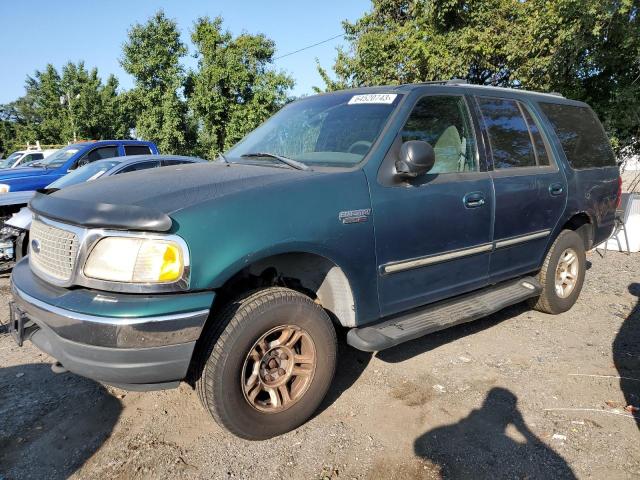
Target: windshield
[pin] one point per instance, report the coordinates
(58, 158)
(8, 162)
(335, 130)
(84, 174)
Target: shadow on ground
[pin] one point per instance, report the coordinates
(50, 425)
(480, 446)
(626, 354)
(352, 362)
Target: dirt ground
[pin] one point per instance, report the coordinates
(517, 395)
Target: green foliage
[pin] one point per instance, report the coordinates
(152, 56)
(234, 89)
(584, 49)
(92, 109)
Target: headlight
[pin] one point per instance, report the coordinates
(135, 260)
(4, 188)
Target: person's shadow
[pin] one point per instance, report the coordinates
(479, 446)
(626, 354)
(50, 425)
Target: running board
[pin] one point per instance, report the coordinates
(441, 315)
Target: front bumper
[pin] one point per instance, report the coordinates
(134, 341)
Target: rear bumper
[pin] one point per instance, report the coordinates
(123, 348)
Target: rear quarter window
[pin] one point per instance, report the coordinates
(583, 139)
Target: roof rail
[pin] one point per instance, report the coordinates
(454, 81)
(461, 81)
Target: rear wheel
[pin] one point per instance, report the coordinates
(268, 364)
(562, 274)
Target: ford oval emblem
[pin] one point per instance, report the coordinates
(35, 246)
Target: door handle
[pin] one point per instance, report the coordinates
(556, 189)
(473, 200)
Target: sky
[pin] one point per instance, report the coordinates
(37, 32)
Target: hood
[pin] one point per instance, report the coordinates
(21, 172)
(16, 198)
(144, 200)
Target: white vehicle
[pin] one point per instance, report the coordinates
(49, 151)
(21, 158)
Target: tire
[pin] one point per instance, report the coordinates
(551, 301)
(224, 369)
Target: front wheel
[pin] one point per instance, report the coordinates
(268, 363)
(562, 274)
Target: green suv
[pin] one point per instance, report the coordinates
(392, 212)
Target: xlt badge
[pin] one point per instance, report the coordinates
(354, 216)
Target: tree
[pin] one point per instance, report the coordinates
(92, 108)
(40, 107)
(56, 106)
(152, 56)
(584, 49)
(234, 88)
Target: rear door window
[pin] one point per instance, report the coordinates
(509, 135)
(137, 150)
(583, 139)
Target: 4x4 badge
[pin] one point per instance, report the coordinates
(354, 216)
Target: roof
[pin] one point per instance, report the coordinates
(100, 142)
(461, 86)
(142, 158)
(137, 158)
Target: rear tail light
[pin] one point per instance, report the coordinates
(619, 194)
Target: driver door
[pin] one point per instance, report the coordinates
(434, 232)
(99, 153)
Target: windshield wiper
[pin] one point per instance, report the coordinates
(37, 164)
(287, 161)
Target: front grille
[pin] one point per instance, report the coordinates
(52, 250)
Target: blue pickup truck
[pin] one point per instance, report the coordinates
(41, 173)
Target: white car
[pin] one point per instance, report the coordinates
(21, 158)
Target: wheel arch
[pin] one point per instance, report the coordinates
(314, 274)
(583, 225)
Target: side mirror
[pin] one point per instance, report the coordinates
(416, 158)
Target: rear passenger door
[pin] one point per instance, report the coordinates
(530, 189)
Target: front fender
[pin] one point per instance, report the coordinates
(228, 234)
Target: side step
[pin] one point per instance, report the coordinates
(441, 315)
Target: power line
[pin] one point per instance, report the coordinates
(310, 46)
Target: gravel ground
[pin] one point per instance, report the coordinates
(517, 395)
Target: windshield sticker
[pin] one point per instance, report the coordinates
(384, 98)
